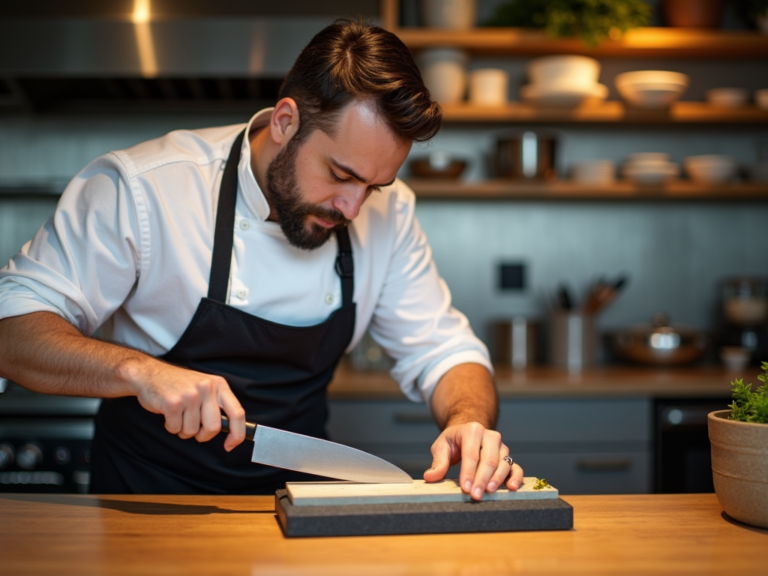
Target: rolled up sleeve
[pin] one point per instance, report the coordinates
(414, 320)
(84, 261)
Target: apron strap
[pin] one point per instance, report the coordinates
(225, 226)
(225, 229)
(345, 266)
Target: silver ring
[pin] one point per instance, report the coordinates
(509, 460)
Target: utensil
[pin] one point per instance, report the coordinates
(529, 155)
(292, 451)
(602, 294)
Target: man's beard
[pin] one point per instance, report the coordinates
(285, 198)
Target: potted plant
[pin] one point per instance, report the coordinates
(591, 20)
(739, 439)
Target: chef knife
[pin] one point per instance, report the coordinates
(293, 451)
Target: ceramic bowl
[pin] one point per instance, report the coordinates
(561, 95)
(727, 97)
(574, 70)
(444, 73)
(652, 89)
(711, 168)
(761, 98)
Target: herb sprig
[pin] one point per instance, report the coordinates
(749, 406)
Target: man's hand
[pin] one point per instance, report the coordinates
(43, 352)
(481, 452)
(190, 401)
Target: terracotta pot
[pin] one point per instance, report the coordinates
(693, 13)
(740, 467)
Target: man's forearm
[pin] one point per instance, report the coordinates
(43, 352)
(465, 393)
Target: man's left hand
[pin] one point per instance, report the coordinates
(481, 452)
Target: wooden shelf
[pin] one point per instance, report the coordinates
(680, 190)
(605, 112)
(640, 43)
(646, 42)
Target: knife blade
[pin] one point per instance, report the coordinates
(283, 449)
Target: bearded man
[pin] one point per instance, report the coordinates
(233, 267)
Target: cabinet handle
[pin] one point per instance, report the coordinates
(603, 464)
(413, 418)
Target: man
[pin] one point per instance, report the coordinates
(235, 265)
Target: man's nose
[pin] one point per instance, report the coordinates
(350, 201)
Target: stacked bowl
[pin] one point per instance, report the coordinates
(650, 168)
(565, 81)
(601, 172)
(652, 89)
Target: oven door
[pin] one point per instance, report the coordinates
(45, 454)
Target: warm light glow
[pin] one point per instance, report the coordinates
(147, 59)
(141, 10)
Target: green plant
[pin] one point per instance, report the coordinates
(591, 20)
(749, 406)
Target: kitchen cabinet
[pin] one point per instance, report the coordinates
(585, 446)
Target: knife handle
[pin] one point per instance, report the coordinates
(250, 427)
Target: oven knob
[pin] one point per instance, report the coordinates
(6, 455)
(29, 456)
(62, 455)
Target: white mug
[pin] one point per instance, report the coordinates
(488, 87)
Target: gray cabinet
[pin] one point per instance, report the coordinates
(583, 446)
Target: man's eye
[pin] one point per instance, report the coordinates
(338, 178)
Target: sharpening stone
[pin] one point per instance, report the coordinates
(419, 491)
(500, 515)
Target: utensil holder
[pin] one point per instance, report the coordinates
(572, 340)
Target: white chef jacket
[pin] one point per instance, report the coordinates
(131, 242)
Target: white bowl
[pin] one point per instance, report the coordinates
(444, 73)
(727, 97)
(578, 70)
(594, 172)
(651, 88)
(761, 98)
(655, 174)
(562, 95)
(710, 168)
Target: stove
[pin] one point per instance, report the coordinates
(44, 441)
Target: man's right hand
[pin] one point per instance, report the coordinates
(190, 401)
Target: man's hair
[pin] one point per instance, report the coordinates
(350, 60)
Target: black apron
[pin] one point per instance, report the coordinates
(278, 373)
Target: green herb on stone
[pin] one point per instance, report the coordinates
(541, 484)
(591, 20)
(749, 406)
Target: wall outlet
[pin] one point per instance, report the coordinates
(511, 276)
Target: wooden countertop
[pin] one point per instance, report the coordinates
(537, 382)
(122, 535)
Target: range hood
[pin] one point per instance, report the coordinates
(169, 64)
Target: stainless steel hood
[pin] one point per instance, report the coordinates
(167, 63)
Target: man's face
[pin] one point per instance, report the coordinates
(319, 185)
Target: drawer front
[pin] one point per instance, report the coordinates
(593, 420)
(353, 422)
(619, 472)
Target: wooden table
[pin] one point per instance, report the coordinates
(648, 534)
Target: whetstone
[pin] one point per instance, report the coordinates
(421, 517)
(419, 491)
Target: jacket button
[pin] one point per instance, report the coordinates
(242, 293)
(245, 225)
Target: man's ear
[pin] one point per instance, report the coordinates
(285, 121)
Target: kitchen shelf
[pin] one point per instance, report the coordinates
(648, 42)
(680, 190)
(605, 112)
(639, 43)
